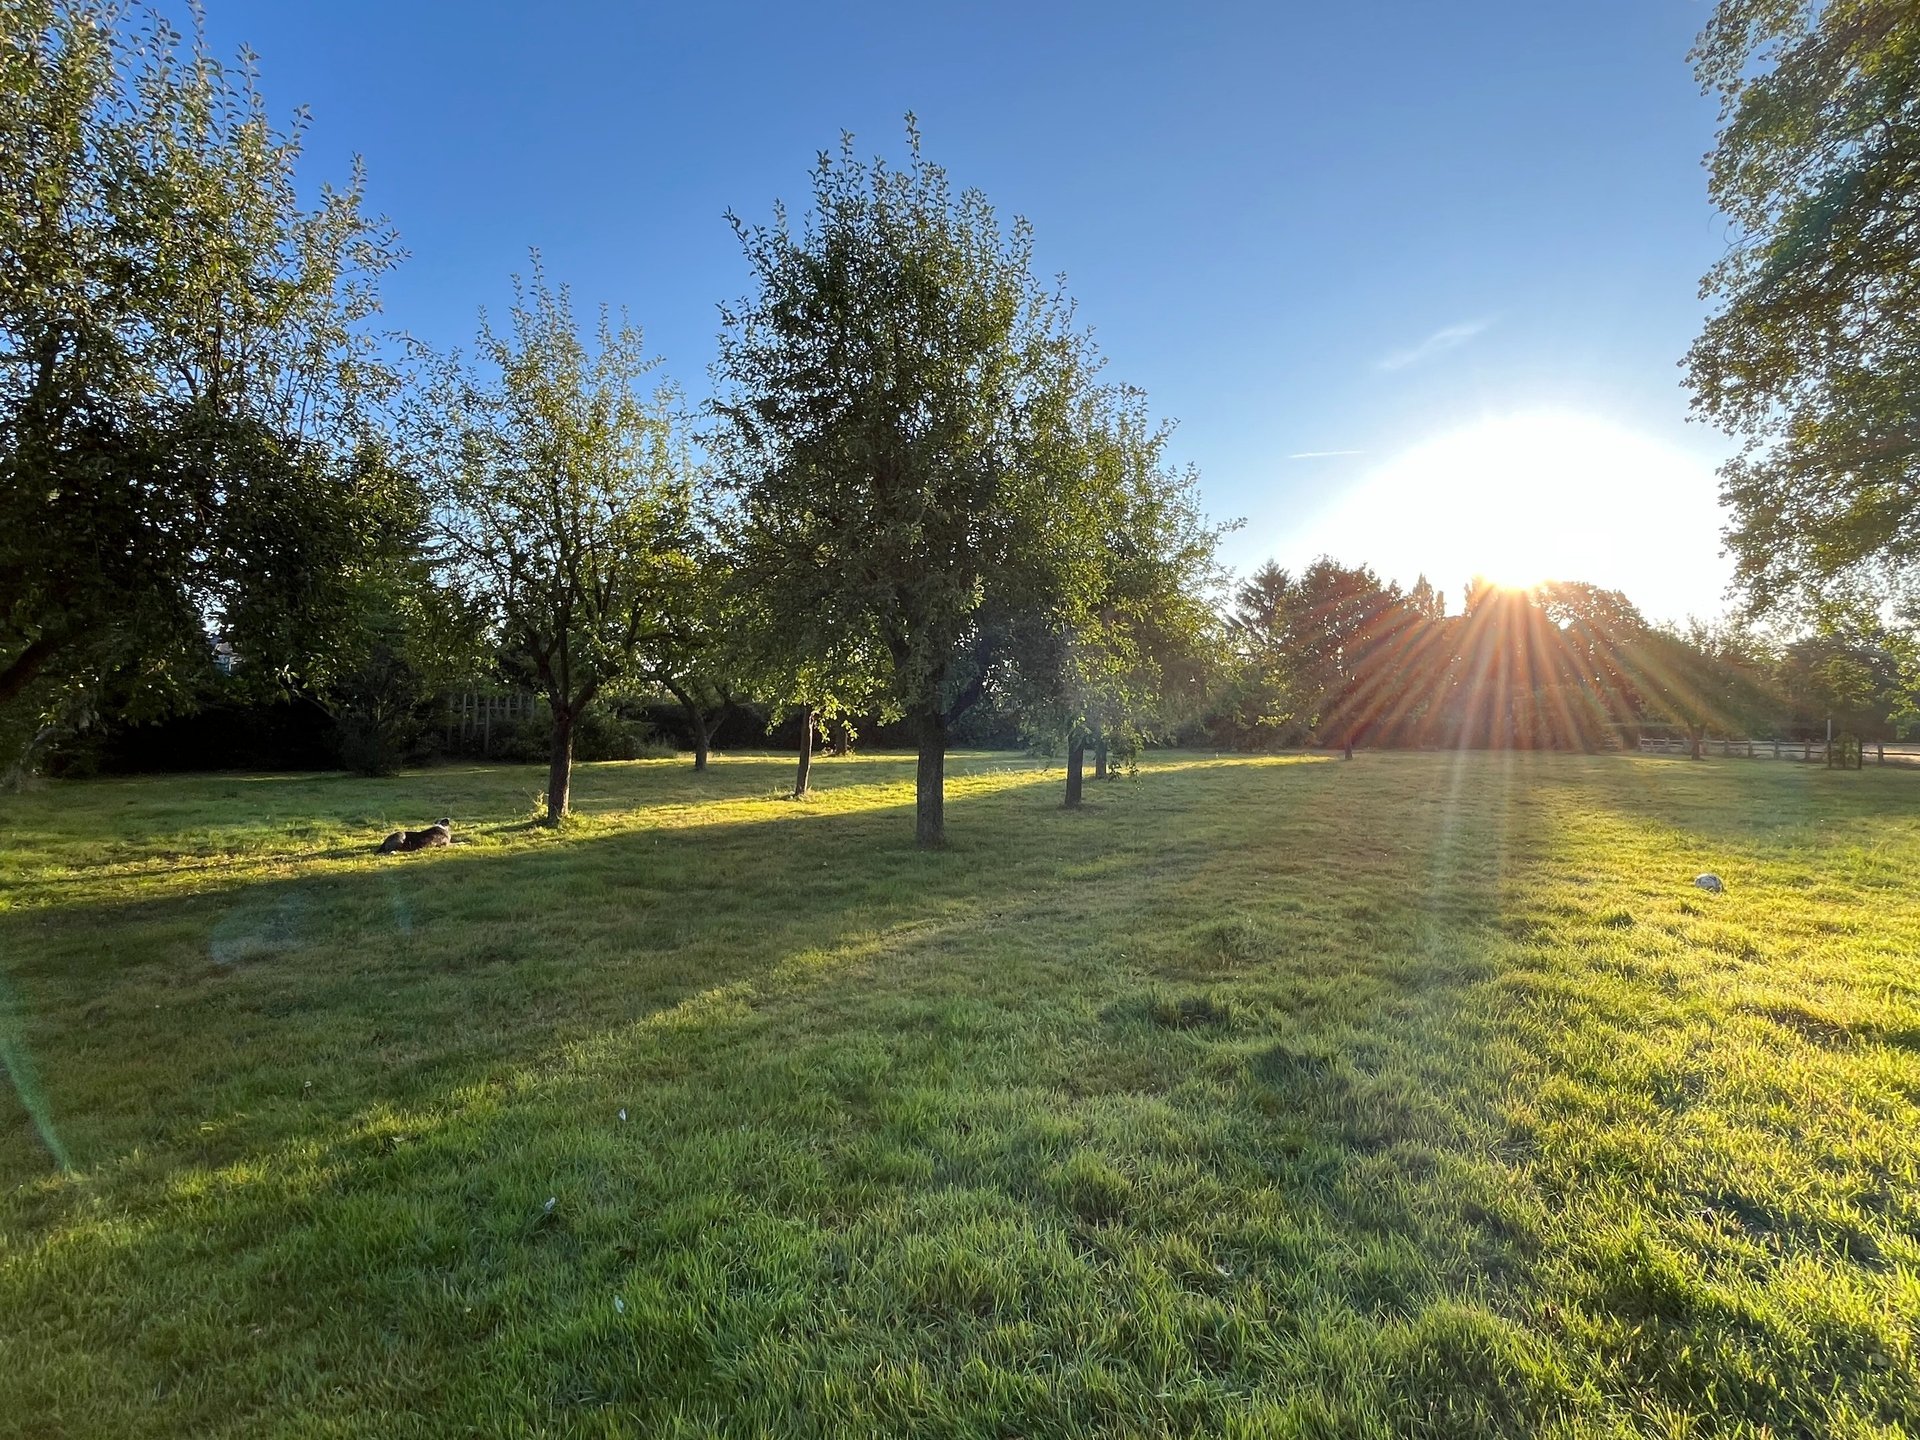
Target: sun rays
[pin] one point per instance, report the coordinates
(1531, 667)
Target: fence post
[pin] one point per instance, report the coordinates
(1749, 749)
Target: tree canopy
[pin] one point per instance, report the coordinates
(1127, 642)
(185, 373)
(562, 503)
(1812, 355)
(893, 393)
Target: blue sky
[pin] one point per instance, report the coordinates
(1303, 229)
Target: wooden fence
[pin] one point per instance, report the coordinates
(472, 714)
(1805, 751)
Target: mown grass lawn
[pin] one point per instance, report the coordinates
(1421, 1095)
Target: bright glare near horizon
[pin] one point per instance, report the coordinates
(1524, 498)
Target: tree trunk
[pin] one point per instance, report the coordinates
(701, 722)
(1695, 734)
(842, 742)
(1076, 760)
(806, 755)
(929, 783)
(1100, 757)
(560, 767)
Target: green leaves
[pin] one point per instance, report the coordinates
(185, 375)
(562, 497)
(936, 497)
(1812, 356)
(884, 394)
(1129, 633)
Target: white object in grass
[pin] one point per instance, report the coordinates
(1709, 882)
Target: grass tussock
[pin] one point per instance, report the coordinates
(1423, 1096)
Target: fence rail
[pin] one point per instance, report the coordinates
(1804, 751)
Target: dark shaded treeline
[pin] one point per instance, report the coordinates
(1332, 656)
(239, 733)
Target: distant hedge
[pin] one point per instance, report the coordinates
(299, 735)
(289, 735)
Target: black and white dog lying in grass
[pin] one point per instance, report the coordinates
(427, 839)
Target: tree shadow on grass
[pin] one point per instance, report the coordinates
(264, 1068)
(358, 980)
(1197, 1116)
(90, 839)
(148, 1016)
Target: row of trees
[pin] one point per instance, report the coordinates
(1335, 656)
(917, 491)
(914, 488)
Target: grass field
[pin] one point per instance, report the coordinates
(1420, 1095)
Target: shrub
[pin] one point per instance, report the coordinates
(380, 709)
(600, 734)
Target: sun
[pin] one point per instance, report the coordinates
(1522, 499)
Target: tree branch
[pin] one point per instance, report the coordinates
(27, 665)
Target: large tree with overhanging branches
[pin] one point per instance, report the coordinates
(1812, 353)
(188, 387)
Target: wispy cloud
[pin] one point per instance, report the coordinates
(1322, 454)
(1438, 343)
